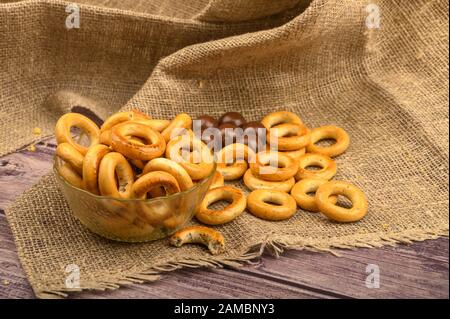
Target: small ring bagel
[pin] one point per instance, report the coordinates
(289, 137)
(198, 170)
(200, 235)
(69, 120)
(121, 117)
(115, 164)
(329, 132)
(180, 121)
(301, 190)
(121, 143)
(254, 183)
(258, 203)
(218, 180)
(280, 117)
(70, 175)
(232, 159)
(174, 169)
(327, 171)
(337, 213)
(233, 171)
(70, 155)
(152, 180)
(225, 215)
(285, 167)
(91, 167)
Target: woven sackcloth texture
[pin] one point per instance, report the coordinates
(325, 60)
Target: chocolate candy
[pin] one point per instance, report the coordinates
(254, 133)
(228, 132)
(234, 118)
(207, 122)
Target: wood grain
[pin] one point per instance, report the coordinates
(419, 270)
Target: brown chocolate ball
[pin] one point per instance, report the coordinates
(207, 121)
(234, 118)
(229, 133)
(254, 134)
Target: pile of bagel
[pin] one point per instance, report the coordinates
(135, 156)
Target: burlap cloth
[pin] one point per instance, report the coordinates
(387, 87)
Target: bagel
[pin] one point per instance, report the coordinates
(152, 180)
(289, 137)
(121, 143)
(254, 183)
(285, 167)
(70, 175)
(174, 169)
(121, 117)
(231, 211)
(197, 168)
(91, 167)
(115, 165)
(327, 166)
(259, 203)
(232, 160)
(200, 235)
(280, 117)
(180, 121)
(329, 132)
(301, 190)
(337, 213)
(71, 156)
(69, 120)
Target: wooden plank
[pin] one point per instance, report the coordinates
(417, 270)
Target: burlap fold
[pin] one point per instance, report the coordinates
(326, 60)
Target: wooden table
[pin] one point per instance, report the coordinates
(419, 270)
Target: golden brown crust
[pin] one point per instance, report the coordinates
(280, 117)
(91, 167)
(295, 155)
(201, 168)
(301, 190)
(232, 160)
(174, 169)
(200, 235)
(218, 180)
(121, 142)
(70, 175)
(225, 215)
(182, 120)
(69, 120)
(329, 132)
(115, 164)
(254, 183)
(289, 137)
(262, 170)
(337, 213)
(121, 117)
(70, 155)
(258, 203)
(152, 180)
(327, 171)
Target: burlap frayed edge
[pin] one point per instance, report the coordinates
(275, 245)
